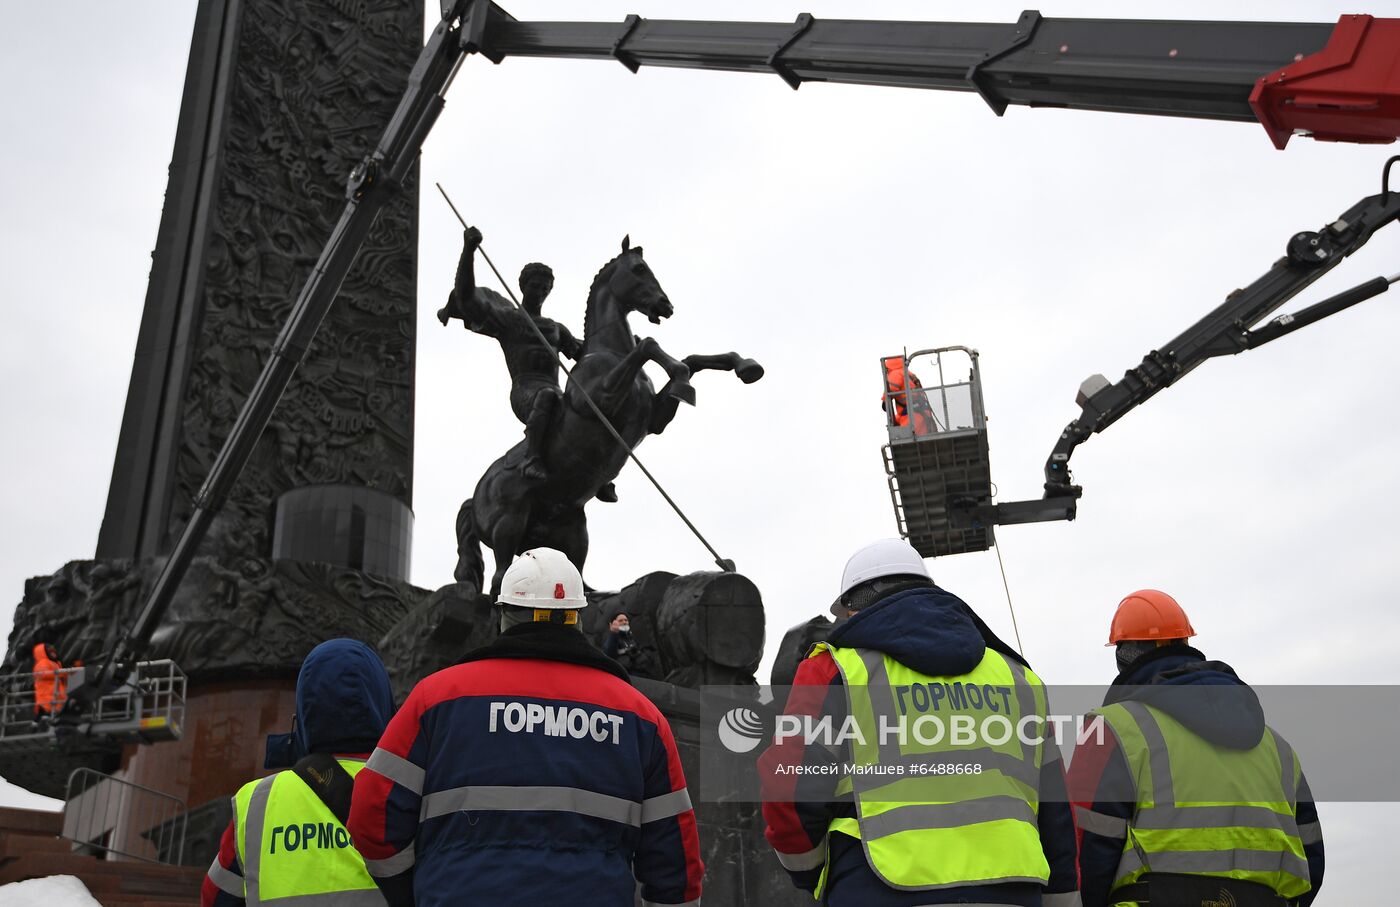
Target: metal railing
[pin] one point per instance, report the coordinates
(918, 409)
(103, 815)
(149, 705)
(160, 697)
(20, 714)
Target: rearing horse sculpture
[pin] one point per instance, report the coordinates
(512, 513)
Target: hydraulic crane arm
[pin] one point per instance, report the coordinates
(1224, 332)
(1333, 81)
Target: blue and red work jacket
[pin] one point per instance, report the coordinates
(532, 773)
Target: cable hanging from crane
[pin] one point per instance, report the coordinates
(723, 563)
(1016, 628)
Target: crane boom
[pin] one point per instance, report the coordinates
(1122, 66)
(1334, 81)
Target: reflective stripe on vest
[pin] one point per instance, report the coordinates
(1188, 821)
(294, 851)
(981, 826)
(555, 799)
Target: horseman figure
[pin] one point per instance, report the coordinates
(533, 367)
(534, 494)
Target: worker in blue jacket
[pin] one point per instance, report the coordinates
(1187, 796)
(531, 774)
(287, 840)
(1002, 836)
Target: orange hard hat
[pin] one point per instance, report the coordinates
(1149, 614)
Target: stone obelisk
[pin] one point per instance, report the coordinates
(281, 99)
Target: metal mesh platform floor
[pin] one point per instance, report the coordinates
(927, 474)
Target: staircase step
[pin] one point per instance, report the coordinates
(114, 879)
(31, 821)
(14, 844)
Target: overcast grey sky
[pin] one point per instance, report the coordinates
(814, 230)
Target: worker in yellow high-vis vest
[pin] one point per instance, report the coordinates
(934, 781)
(287, 844)
(1186, 796)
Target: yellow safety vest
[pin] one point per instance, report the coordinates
(936, 813)
(294, 851)
(1207, 810)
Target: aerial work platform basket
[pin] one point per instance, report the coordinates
(937, 460)
(147, 707)
(42, 743)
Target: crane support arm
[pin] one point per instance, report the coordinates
(1229, 329)
(1333, 80)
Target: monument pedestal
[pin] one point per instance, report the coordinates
(226, 728)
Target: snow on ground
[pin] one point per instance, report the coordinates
(52, 891)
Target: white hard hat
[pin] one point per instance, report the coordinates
(542, 578)
(887, 557)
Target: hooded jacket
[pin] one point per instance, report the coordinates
(50, 687)
(532, 773)
(344, 701)
(908, 394)
(343, 704)
(1211, 701)
(933, 632)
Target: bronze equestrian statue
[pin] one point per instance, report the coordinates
(512, 511)
(534, 370)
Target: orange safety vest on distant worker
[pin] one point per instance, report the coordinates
(897, 388)
(50, 687)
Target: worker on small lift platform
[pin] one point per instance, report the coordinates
(50, 684)
(1183, 731)
(903, 388)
